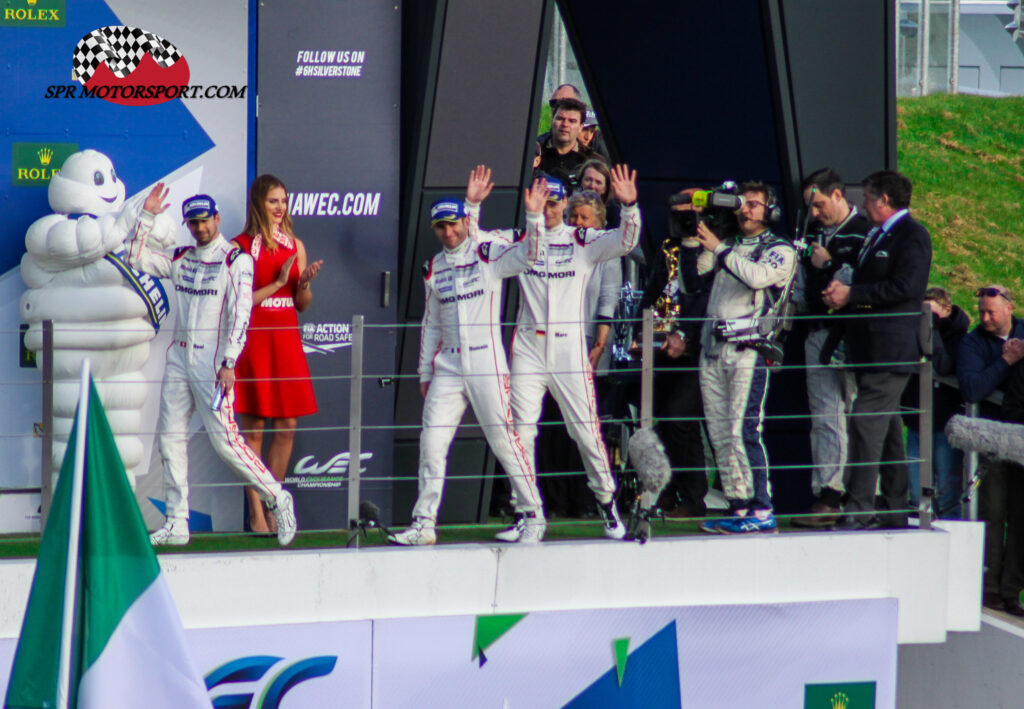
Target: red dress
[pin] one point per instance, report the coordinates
(279, 385)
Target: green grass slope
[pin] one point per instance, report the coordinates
(965, 155)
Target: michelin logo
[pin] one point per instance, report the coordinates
(324, 338)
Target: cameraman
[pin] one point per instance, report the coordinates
(677, 402)
(733, 373)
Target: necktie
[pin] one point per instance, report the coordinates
(869, 243)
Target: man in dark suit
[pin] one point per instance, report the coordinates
(889, 281)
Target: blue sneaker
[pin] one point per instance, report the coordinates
(713, 526)
(758, 521)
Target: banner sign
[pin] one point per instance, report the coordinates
(328, 127)
(825, 655)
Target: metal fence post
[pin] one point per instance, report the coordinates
(924, 421)
(355, 422)
(647, 370)
(970, 469)
(46, 468)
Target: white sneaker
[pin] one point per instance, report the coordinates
(284, 515)
(528, 529)
(613, 526)
(174, 533)
(420, 533)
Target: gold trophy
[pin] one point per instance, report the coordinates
(667, 308)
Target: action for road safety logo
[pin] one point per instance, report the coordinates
(325, 337)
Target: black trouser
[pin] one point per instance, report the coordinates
(876, 448)
(677, 396)
(1001, 506)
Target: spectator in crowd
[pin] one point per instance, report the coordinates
(886, 294)
(984, 360)
(273, 381)
(590, 136)
(549, 350)
(734, 373)
(836, 236)
(949, 325)
(597, 177)
(589, 133)
(463, 362)
(561, 153)
(209, 334)
(677, 401)
(564, 494)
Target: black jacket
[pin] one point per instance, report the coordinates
(1013, 395)
(843, 246)
(889, 281)
(946, 400)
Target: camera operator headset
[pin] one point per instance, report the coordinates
(736, 345)
(751, 309)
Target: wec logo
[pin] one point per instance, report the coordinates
(253, 668)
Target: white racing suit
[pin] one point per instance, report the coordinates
(463, 359)
(549, 350)
(212, 304)
(734, 377)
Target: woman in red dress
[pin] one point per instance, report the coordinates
(272, 379)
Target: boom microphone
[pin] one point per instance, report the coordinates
(1004, 441)
(369, 518)
(654, 471)
(647, 454)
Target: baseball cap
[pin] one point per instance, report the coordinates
(590, 119)
(200, 206)
(447, 209)
(556, 190)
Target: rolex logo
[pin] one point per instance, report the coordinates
(32, 3)
(45, 154)
(840, 701)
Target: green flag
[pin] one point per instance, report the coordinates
(127, 644)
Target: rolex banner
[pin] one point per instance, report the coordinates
(826, 655)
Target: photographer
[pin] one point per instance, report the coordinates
(749, 270)
(833, 241)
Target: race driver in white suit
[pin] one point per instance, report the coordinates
(213, 301)
(549, 351)
(462, 361)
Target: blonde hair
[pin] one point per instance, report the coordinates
(257, 222)
(587, 198)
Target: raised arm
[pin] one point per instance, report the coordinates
(775, 267)
(147, 229)
(506, 259)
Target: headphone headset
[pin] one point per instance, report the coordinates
(772, 210)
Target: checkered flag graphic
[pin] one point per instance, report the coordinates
(121, 48)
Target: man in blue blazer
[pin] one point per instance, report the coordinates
(884, 303)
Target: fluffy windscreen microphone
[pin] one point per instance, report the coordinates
(1001, 440)
(647, 454)
(369, 513)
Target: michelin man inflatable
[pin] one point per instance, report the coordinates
(100, 307)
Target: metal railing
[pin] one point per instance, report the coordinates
(645, 368)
